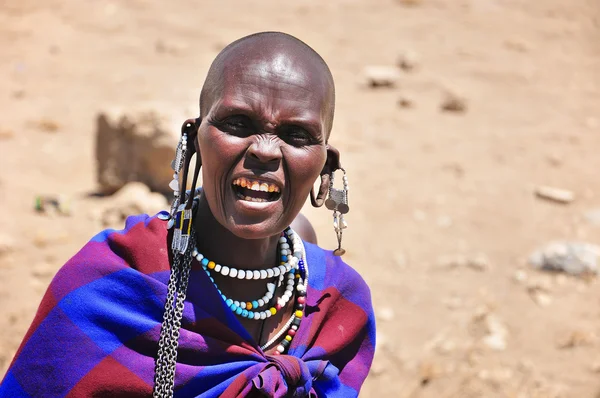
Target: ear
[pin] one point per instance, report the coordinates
(331, 165)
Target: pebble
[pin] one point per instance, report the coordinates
(520, 276)
(577, 338)
(7, 244)
(385, 314)
(381, 76)
(453, 103)
(6, 135)
(479, 262)
(410, 3)
(497, 333)
(554, 194)
(48, 126)
(573, 258)
(408, 61)
(540, 298)
(404, 102)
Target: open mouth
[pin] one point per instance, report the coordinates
(255, 190)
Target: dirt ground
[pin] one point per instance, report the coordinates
(443, 212)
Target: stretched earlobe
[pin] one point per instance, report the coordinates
(331, 165)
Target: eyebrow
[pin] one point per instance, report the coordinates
(244, 109)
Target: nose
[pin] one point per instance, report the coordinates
(265, 149)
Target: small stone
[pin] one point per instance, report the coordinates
(479, 262)
(520, 276)
(381, 76)
(553, 194)
(542, 299)
(496, 342)
(47, 125)
(408, 61)
(404, 102)
(133, 198)
(446, 347)
(385, 314)
(410, 3)
(7, 244)
(453, 103)
(451, 262)
(577, 338)
(6, 135)
(428, 371)
(574, 258)
(497, 333)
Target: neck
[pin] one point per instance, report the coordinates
(217, 243)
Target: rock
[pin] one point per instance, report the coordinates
(520, 276)
(479, 262)
(553, 194)
(429, 370)
(7, 244)
(48, 125)
(542, 299)
(381, 76)
(451, 261)
(577, 338)
(133, 198)
(408, 61)
(593, 217)
(497, 333)
(453, 103)
(410, 3)
(385, 314)
(404, 102)
(574, 258)
(6, 135)
(135, 146)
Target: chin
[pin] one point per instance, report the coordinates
(254, 231)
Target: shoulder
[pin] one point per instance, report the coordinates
(141, 245)
(329, 271)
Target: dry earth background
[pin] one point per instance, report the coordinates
(444, 214)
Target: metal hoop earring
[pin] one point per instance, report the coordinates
(337, 201)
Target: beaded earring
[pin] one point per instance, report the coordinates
(338, 203)
(181, 208)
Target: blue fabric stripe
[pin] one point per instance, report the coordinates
(114, 309)
(10, 387)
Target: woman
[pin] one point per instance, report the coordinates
(238, 304)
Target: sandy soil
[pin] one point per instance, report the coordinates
(428, 186)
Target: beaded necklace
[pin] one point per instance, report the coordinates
(293, 264)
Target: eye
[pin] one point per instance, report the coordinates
(296, 135)
(236, 125)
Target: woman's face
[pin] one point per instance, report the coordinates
(263, 142)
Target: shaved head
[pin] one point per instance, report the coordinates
(281, 54)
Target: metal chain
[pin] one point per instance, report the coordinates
(164, 371)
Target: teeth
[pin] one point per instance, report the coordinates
(255, 185)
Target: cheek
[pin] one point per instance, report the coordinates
(305, 166)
